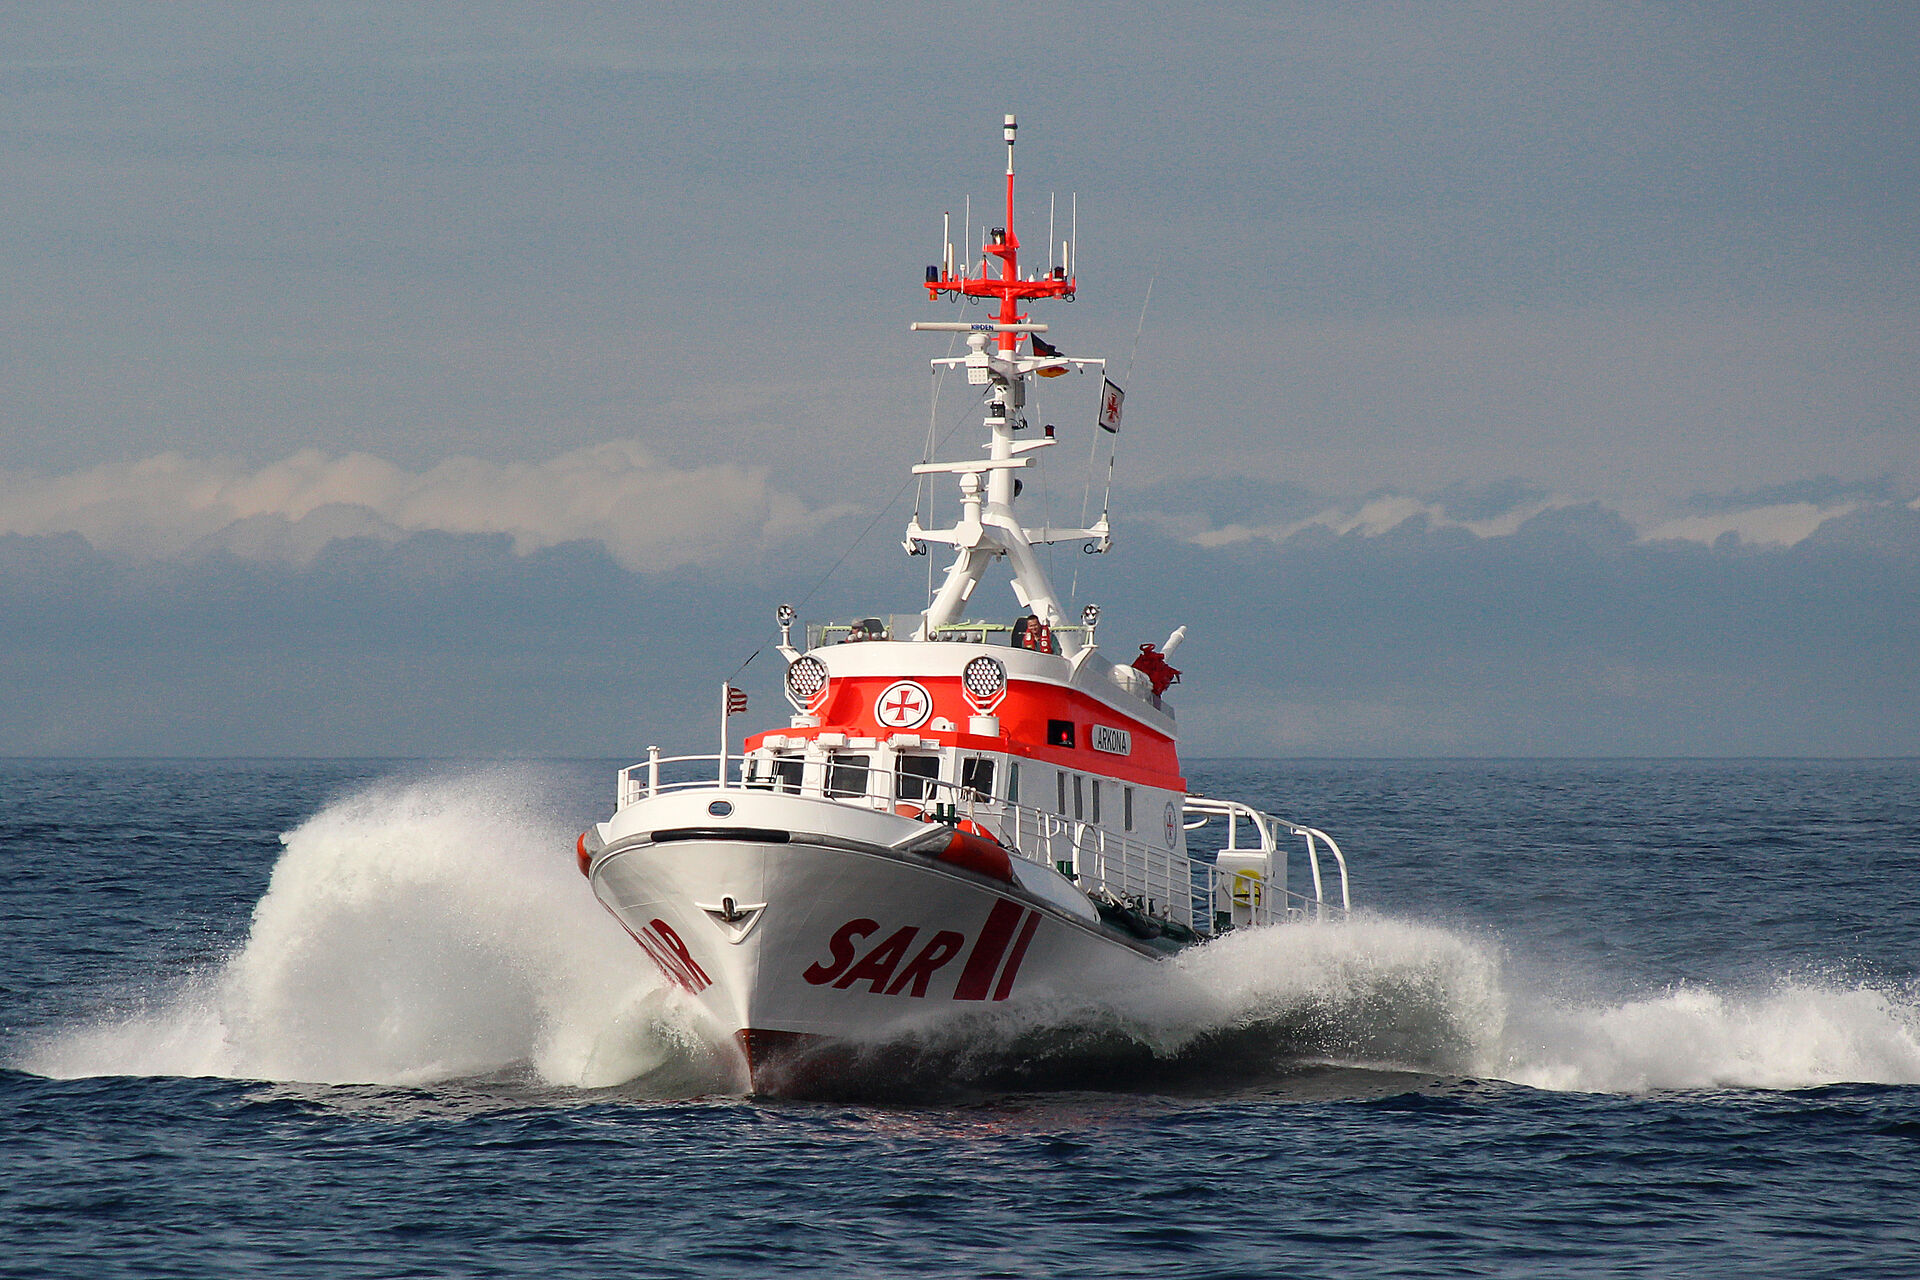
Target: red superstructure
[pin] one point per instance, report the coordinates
(856, 704)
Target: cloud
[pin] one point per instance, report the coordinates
(649, 516)
(1376, 516)
(438, 643)
(1785, 524)
(1571, 635)
(1278, 514)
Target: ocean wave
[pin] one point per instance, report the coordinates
(437, 930)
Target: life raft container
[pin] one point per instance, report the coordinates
(969, 846)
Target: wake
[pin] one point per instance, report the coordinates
(438, 931)
(1394, 994)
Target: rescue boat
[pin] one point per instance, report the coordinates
(961, 810)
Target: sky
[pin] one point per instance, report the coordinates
(1503, 379)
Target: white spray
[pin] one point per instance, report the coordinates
(439, 930)
(410, 933)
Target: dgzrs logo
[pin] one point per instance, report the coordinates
(904, 704)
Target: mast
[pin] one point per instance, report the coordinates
(988, 528)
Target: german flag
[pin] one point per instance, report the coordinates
(1046, 351)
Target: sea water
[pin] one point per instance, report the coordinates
(363, 1018)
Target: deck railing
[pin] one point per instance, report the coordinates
(1167, 883)
(1274, 901)
(904, 626)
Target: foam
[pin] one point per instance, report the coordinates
(434, 930)
(1795, 1035)
(1403, 995)
(410, 933)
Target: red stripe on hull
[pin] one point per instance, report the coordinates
(977, 978)
(1019, 953)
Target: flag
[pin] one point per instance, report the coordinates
(1111, 398)
(1047, 351)
(736, 700)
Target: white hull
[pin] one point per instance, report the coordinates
(838, 938)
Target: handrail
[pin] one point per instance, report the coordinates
(1092, 856)
(1167, 882)
(633, 789)
(1208, 807)
(901, 626)
(1340, 860)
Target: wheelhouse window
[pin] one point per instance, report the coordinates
(976, 776)
(915, 777)
(774, 773)
(847, 775)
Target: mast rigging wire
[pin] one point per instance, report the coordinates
(861, 537)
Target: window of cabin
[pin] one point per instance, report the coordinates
(976, 776)
(1076, 797)
(847, 775)
(1060, 805)
(916, 776)
(1126, 804)
(1095, 812)
(775, 773)
(1013, 782)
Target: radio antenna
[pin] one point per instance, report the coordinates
(1050, 200)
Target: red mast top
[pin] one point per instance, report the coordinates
(1003, 244)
